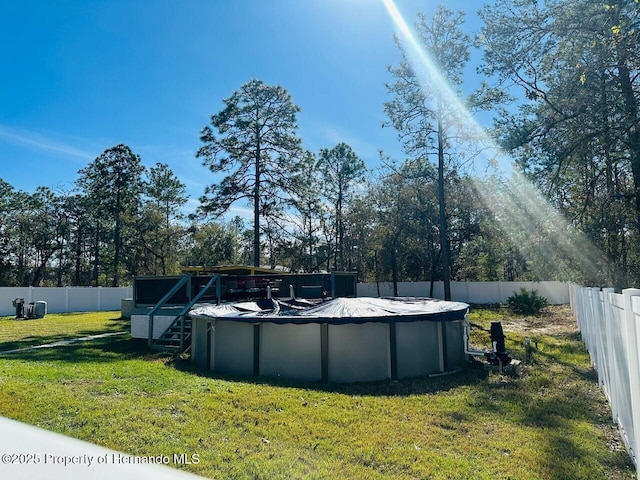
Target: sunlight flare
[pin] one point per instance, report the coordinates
(540, 232)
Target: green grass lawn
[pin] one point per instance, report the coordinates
(547, 420)
(16, 334)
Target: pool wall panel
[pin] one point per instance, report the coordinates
(417, 349)
(291, 351)
(456, 357)
(232, 348)
(359, 353)
(199, 343)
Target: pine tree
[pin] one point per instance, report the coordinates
(256, 141)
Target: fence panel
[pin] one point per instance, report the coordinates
(54, 296)
(8, 295)
(111, 299)
(632, 317)
(82, 299)
(610, 327)
(65, 299)
(557, 293)
(620, 394)
(413, 289)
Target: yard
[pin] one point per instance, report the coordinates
(546, 420)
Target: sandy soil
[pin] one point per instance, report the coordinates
(555, 320)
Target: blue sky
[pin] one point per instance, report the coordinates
(82, 76)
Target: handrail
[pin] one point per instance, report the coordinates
(187, 307)
(215, 278)
(163, 300)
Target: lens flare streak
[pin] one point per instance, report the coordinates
(546, 239)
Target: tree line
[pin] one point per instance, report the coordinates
(571, 126)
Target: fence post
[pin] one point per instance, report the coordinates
(596, 334)
(574, 302)
(99, 299)
(592, 326)
(632, 332)
(571, 301)
(610, 359)
(585, 315)
(67, 291)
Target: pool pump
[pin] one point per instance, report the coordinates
(31, 310)
(499, 354)
(18, 304)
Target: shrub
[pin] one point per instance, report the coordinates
(528, 303)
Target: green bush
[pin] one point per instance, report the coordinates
(528, 303)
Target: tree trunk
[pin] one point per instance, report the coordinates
(311, 262)
(117, 237)
(96, 259)
(444, 231)
(60, 263)
(612, 244)
(256, 212)
(78, 254)
(631, 109)
(340, 228)
(394, 271)
(434, 264)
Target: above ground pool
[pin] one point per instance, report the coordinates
(338, 340)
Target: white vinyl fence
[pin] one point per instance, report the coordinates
(556, 293)
(65, 299)
(89, 299)
(610, 326)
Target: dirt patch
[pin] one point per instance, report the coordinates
(554, 320)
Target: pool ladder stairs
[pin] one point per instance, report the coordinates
(175, 339)
(177, 336)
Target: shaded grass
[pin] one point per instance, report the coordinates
(548, 420)
(16, 334)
